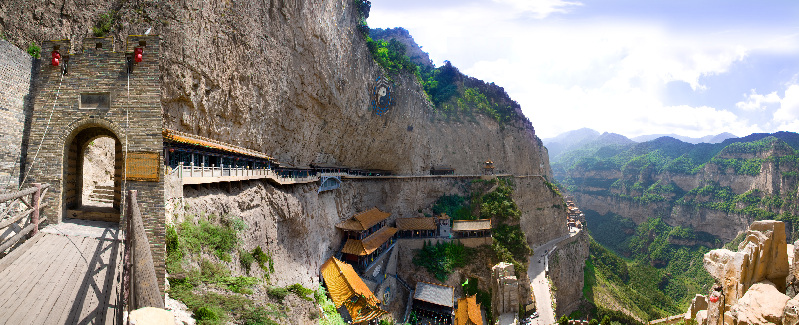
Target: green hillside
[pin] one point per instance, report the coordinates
(642, 273)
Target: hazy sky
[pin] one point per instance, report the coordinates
(691, 67)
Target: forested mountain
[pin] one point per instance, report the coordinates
(654, 208)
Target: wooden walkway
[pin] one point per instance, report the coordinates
(63, 275)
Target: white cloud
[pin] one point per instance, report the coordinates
(602, 73)
(755, 101)
(787, 116)
(540, 9)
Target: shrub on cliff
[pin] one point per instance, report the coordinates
(442, 258)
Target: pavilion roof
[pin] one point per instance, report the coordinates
(369, 244)
(419, 223)
(470, 225)
(436, 294)
(347, 289)
(200, 141)
(468, 312)
(363, 220)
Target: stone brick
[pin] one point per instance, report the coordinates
(15, 82)
(133, 118)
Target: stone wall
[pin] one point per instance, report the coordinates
(16, 67)
(566, 265)
(132, 117)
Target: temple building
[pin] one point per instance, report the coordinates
(488, 169)
(421, 227)
(471, 228)
(433, 303)
(367, 236)
(353, 299)
(442, 170)
(468, 312)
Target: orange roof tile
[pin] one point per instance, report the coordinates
(468, 312)
(347, 289)
(364, 220)
(196, 140)
(420, 223)
(369, 244)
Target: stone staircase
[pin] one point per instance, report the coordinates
(102, 195)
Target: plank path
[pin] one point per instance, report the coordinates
(69, 273)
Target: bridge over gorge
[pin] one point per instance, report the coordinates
(73, 272)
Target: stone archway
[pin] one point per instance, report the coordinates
(76, 148)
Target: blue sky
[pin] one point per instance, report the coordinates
(632, 67)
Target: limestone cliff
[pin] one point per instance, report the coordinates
(566, 271)
(289, 78)
(713, 188)
(293, 79)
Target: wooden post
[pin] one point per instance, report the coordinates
(35, 215)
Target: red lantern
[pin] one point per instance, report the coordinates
(55, 62)
(56, 55)
(714, 298)
(137, 54)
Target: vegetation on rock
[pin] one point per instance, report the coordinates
(210, 289)
(656, 279)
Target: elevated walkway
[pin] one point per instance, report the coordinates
(69, 273)
(73, 272)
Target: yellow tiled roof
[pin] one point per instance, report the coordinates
(364, 220)
(347, 289)
(468, 312)
(196, 140)
(421, 223)
(369, 244)
(467, 225)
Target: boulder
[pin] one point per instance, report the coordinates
(698, 303)
(790, 315)
(701, 317)
(792, 281)
(762, 304)
(151, 316)
(761, 256)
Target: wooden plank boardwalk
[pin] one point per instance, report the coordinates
(66, 274)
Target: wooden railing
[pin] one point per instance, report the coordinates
(17, 212)
(140, 283)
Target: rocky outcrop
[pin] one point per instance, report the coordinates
(297, 225)
(566, 266)
(761, 256)
(543, 211)
(504, 289)
(750, 283)
(762, 304)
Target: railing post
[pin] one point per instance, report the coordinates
(35, 216)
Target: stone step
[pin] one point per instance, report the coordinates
(103, 191)
(94, 215)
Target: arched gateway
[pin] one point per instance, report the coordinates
(92, 92)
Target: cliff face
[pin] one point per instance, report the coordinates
(289, 78)
(294, 79)
(566, 271)
(297, 225)
(741, 183)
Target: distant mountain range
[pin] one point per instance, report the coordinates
(718, 138)
(577, 138)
